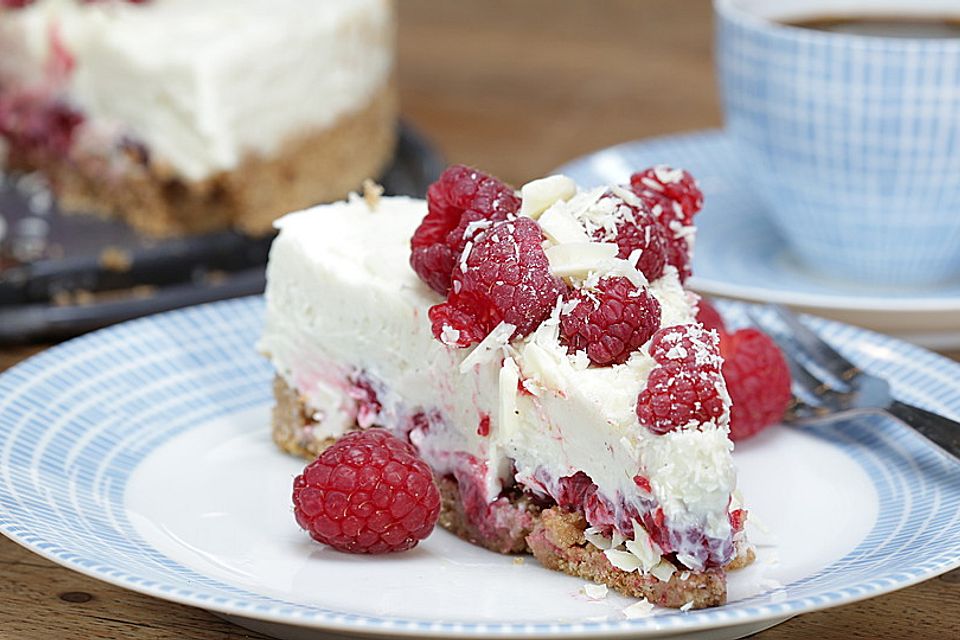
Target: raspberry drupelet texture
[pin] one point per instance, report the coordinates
(459, 204)
(637, 229)
(368, 493)
(673, 197)
(503, 276)
(665, 186)
(689, 344)
(609, 323)
(758, 380)
(686, 387)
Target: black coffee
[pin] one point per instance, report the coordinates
(885, 26)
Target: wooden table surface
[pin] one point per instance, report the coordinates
(517, 88)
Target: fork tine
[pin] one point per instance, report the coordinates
(802, 377)
(816, 348)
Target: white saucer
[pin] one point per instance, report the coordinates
(740, 254)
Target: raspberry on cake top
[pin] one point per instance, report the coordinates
(541, 354)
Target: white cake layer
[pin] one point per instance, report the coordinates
(202, 84)
(342, 298)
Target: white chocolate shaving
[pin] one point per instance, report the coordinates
(641, 609)
(594, 591)
(537, 196)
(579, 259)
(489, 346)
(509, 378)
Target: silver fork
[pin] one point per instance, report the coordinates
(827, 386)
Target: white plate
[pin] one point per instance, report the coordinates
(740, 254)
(141, 455)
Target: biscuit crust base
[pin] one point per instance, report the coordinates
(554, 536)
(313, 167)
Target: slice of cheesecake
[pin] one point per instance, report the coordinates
(184, 117)
(573, 408)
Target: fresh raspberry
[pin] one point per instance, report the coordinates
(611, 322)
(686, 386)
(677, 397)
(505, 277)
(673, 198)
(368, 493)
(460, 196)
(689, 344)
(758, 381)
(710, 318)
(637, 229)
(665, 186)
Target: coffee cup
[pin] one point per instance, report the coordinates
(850, 135)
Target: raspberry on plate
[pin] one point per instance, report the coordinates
(368, 493)
(458, 204)
(503, 276)
(758, 381)
(611, 322)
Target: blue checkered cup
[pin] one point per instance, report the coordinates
(851, 141)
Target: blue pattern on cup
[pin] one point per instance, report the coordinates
(853, 143)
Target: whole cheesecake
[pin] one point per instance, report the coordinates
(184, 117)
(595, 439)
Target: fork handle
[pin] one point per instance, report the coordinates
(943, 432)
